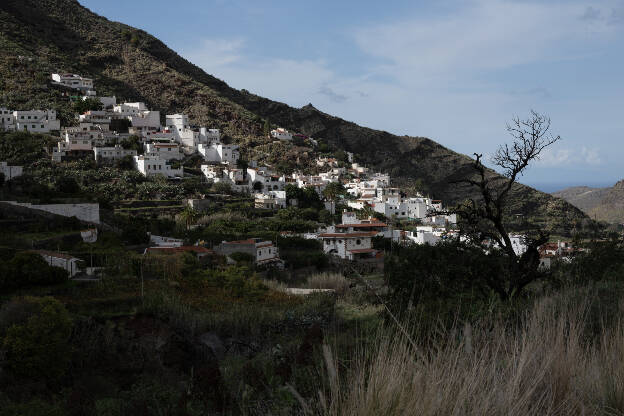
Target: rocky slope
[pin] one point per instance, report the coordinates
(38, 37)
(603, 204)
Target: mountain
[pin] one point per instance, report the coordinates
(38, 37)
(604, 204)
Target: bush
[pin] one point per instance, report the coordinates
(36, 341)
(28, 269)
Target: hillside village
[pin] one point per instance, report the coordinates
(104, 133)
(171, 245)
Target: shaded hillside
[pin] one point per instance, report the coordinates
(603, 204)
(42, 36)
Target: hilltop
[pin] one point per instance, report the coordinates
(40, 37)
(604, 204)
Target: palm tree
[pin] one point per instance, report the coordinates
(189, 215)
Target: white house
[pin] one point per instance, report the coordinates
(99, 119)
(7, 121)
(270, 200)
(62, 260)
(73, 81)
(424, 235)
(219, 153)
(154, 165)
(281, 134)
(269, 180)
(10, 172)
(349, 246)
(77, 139)
(112, 153)
(262, 252)
(162, 241)
(207, 136)
(226, 174)
(165, 151)
(36, 121)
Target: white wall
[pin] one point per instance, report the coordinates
(89, 212)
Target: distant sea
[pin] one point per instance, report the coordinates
(558, 186)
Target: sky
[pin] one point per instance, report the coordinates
(456, 71)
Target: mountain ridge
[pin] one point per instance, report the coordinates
(603, 204)
(62, 35)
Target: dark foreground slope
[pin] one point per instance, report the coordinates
(42, 36)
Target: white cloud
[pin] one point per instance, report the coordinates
(590, 156)
(482, 35)
(569, 157)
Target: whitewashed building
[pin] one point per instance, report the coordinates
(10, 172)
(281, 134)
(270, 200)
(349, 246)
(62, 260)
(262, 252)
(73, 81)
(226, 174)
(219, 153)
(154, 165)
(7, 121)
(165, 151)
(269, 180)
(112, 153)
(36, 121)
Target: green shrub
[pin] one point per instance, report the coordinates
(37, 341)
(28, 269)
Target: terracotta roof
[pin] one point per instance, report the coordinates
(250, 241)
(194, 249)
(369, 225)
(348, 235)
(269, 244)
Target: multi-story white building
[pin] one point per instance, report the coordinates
(153, 166)
(165, 151)
(112, 153)
(226, 174)
(269, 180)
(36, 121)
(270, 200)
(281, 134)
(73, 81)
(7, 121)
(219, 153)
(10, 172)
(349, 246)
(207, 136)
(101, 119)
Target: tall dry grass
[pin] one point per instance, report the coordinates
(547, 364)
(335, 281)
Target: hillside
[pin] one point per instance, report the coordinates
(38, 37)
(603, 204)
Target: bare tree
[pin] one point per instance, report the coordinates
(484, 219)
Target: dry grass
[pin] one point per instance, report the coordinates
(335, 281)
(546, 365)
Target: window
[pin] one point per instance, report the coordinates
(42, 126)
(358, 242)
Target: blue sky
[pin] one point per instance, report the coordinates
(454, 71)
